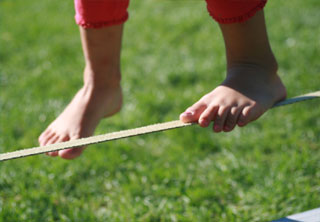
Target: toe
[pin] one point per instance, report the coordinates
(45, 136)
(53, 139)
(243, 117)
(248, 114)
(59, 140)
(193, 113)
(232, 119)
(208, 115)
(71, 153)
(48, 139)
(220, 119)
(53, 154)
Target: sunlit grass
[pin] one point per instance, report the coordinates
(173, 53)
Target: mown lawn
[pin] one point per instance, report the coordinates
(173, 53)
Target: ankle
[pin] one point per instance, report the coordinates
(100, 78)
(267, 67)
(269, 64)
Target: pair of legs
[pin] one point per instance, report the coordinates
(250, 88)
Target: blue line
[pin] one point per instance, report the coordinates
(285, 220)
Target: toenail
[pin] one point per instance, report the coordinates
(188, 113)
(204, 122)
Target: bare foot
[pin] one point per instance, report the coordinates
(81, 116)
(247, 93)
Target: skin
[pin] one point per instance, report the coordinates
(251, 86)
(100, 95)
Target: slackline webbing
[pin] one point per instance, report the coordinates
(125, 133)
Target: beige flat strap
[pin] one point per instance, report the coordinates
(296, 99)
(125, 133)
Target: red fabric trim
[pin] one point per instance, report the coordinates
(97, 25)
(237, 19)
(100, 13)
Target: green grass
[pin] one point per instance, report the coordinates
(173, 53)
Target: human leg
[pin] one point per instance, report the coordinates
(101, 94)
(251, 86)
